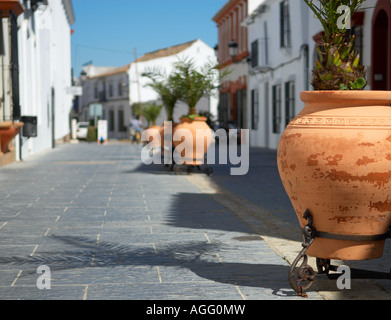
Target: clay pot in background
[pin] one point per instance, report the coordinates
(197, 155)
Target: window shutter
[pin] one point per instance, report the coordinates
(254, 53)
(287, 25)
(282, 26)
(287, 103)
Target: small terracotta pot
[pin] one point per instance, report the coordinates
(334, 159)
(153, 132)
(8, 131)
(198, 154)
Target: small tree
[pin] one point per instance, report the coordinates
(164, 86)
(194, 83)
(150, 112)
(137, 109)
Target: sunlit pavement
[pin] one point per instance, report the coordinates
(109, 227)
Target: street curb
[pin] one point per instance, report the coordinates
(285, 239)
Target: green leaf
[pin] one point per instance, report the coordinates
(320, 54)
(345, 52)
(348, 69)
(330, 59)
(337, 61)
(328, 77)
(356, 61)
(343, 86)
(318, 65)
(360, 83)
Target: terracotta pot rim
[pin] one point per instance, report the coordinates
(369, 96)
(10, 124)
(187, 119)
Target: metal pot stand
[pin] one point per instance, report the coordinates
(190, 168)
(205, 168)
(302, 275)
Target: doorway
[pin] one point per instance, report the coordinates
(381, 46)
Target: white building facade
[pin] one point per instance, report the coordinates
(108, 87)
(45, 72)
(35, 79)
(279, 67)
(282, 42)
(164, 60)
(10, 112)
(233, 35)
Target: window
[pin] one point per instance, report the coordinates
(111, 120)
(285, 28)
(276, 105)
(225, 108)
(240, 104)
(254, 109)
(289, 101)
(96, 91)
(119, 88)
(121, 126)
(265, 55)
(254, 54)
(260, 50)
(110, 89)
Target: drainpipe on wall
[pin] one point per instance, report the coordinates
(305, 49)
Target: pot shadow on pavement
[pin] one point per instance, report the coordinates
(200, 211)
(261, 185)
(201, 207)
(193, 256)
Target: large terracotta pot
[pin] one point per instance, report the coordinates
(334, 159)
(200, 131)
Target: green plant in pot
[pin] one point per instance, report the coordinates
(150, 112)
(165, 87)
(137, 109)
(339, 66)
(194, 83)
(92, 131)
(333, 156)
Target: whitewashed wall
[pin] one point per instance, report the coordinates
(286, 64)
(45, 63)
(101, 78)
(61, 67)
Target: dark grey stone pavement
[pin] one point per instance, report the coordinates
(109, 227)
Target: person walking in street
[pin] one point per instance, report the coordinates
(135, 129)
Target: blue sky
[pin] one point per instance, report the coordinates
(107, 32)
